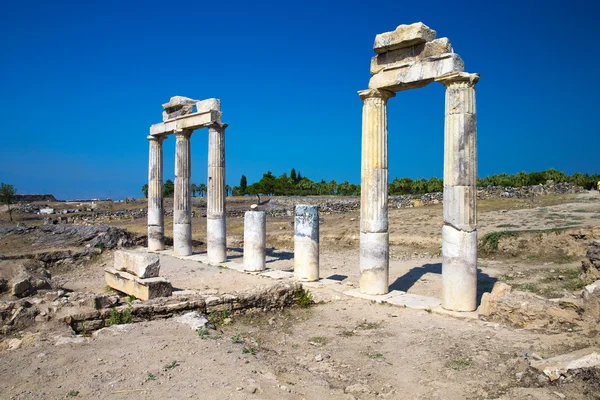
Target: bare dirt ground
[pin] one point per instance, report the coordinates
(346, 348)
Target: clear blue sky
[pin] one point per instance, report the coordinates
(82, 81)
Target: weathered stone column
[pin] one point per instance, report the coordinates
(306, 243)
(156, 222)
(459, 234)
(216, 232)
(255, 240)
(374, 240)
(182, 202)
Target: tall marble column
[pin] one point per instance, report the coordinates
(374, 239)
(156, 222)
(182, 202)
(459, 234)
(216, 232)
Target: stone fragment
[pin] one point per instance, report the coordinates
(47, 211)
(193, 319)
(113, 330)
(395, 58)
(178, 106)
(488, 300)
(591, 299)
(143, 289)
(138, 263)
(558, 366)
(70, 340)
(417, 74)
(105, 301)
(208, 105)
(403, 36)
(21, 287)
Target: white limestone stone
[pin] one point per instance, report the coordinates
(216, 230)
(395, 58)
(306, 243)
(374, 263)
(217, 241)
(138, 263)
(208, 105)
(156, 241)
(255, 239)
(558, 366)
(403, 36)
(460, 207)
(459, 269)
(182, 239)
(182, 200)
(416, 74)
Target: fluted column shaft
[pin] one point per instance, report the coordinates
(156, 225)
(182, 202)
(374, 239)
(216, 233)
(459, 234)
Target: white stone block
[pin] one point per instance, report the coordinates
(374, 263)
(138, 263)
(306, 243)
(459, 269)
(255, 238)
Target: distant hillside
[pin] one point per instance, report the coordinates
(29, 198)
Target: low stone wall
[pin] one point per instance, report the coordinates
(273, 298)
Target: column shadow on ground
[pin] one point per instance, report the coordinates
(485, 283)
(277, 255)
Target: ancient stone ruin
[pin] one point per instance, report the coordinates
(407, 58)
(180, 120)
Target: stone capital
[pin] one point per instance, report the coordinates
(218, 126)
(157, 138)
(376, 94)
(183, 134)
(458, 77)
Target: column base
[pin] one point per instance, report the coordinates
(306, 259)
(216, 238)
(182, 239)
(374, 263)
(255, 223)
(459, 269)
(156, 238)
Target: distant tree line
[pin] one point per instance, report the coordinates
(295, 184)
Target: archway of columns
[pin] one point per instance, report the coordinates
(411, 57)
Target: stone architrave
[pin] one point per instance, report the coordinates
(255, 240)
(156, 225)
(216, 230)
(374, 239)
(306, 243)
(182, 201)
(459, 234)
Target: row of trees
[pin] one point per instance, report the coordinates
(169, 189)
(295, 184)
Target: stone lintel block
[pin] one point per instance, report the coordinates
(208, 105)
(374, 263)
(416, 74)
(177, 102)
(138, 263)
(460, 207)
(395, 58)
(186, 122)
(403, 36)
(460, 150)
(459, 269)
(143, 289)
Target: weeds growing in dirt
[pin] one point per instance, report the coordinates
(318, 340)
(248, 350)
(171, 365)
(304, 298)
(218, 317)
(489, 243)
(205, 334)
(117, 317)
(150, 377)
(73, 393)
(375, 355)
(458, 364)
(237, 338)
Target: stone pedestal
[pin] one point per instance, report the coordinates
(255, 239)
(216, 232)
(374, 242)
(459, 234)
(156, 225)
(182, 202)
(306, 243)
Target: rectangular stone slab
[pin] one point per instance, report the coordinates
(143, 289)
(138, 263)
(416, 74)
(191, 121)
(403, 36)
(417, 52)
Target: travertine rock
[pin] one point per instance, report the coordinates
(403, 36)
(178, 106)
(138, 263)
(306, 243)
(143, 289)
(417, 74)
(396, 58)
(558, 366)
(255, 231)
